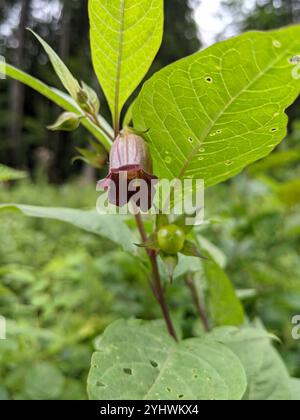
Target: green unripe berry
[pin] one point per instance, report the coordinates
(171, 239)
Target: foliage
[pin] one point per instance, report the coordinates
(207, 116)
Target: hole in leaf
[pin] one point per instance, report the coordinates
(201, 150)
(273, 130)
(294, 60)
(229, 162)
(168, 159)
(195, 376)
(276, 43)
(180, 396)
(190, 139)
(169, 389)
(208, 79)
(153, 363)
(128, 371)
(100, 384)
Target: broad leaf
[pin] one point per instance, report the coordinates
(125, 37)
(224, 305)
(215, 112)
(267, 376)
(62, 71)
(139, 360)
(9, 174)
(63, 100)
(295, 389)
(111, 227)
(37, 375)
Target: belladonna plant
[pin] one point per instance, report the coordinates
(207, 116)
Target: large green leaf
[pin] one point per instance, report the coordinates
(111, 227)
(63, 100)
(139, 360)
(125, 37)
(267, 376)
(295, 389)
(224, 305)
(215, 112)
(9, 174)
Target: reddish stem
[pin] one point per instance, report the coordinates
(156, 283)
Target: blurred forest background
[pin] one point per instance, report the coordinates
(58, 295)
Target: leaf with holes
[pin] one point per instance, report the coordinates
(213, 113)
(138, 360)
(125, 37)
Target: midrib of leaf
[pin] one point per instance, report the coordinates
(230, 102)
(171, 351)
(119, 69)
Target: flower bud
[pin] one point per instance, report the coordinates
(68, 121)
(130, 172)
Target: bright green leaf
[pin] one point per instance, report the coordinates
(111, 227)
(64, 74)
(224, 305)
(139, 360)
(125, 37)
(9, 174)
(215, 112)
(64, 101)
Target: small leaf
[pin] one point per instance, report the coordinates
(94, 159)
(64, 101)
(9, 174)
(161, 221)
(66, 77)
(92, 97)
(151, 243)
(191, 250)
(68, 121)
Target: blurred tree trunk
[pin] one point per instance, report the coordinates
(16, 94)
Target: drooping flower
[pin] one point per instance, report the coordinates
(130, 172)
